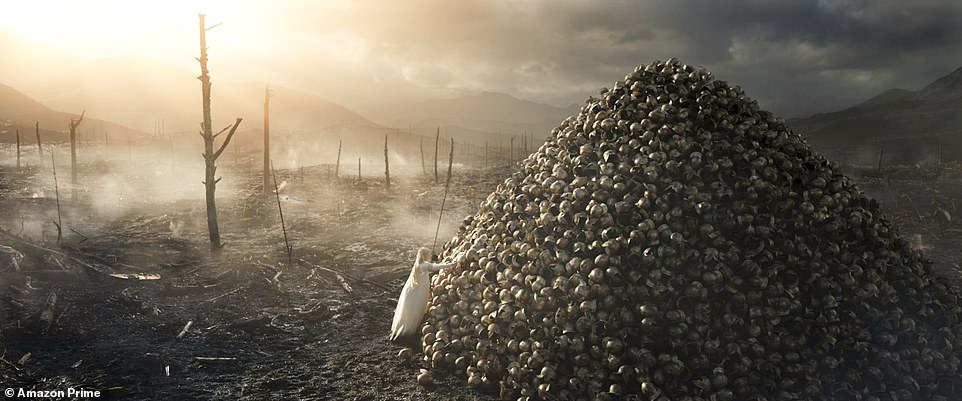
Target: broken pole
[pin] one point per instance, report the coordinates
(18, 149)
(387, 166)
(36, 128)
(447, 184)
(277, 194)
(437, 141)
(424, 169)
(74, 123)
(267, 139)
(881, 152)
(337, 166)
(56, 189)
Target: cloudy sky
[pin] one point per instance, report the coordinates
(796, 57)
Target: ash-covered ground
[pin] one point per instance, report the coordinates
(261, 326)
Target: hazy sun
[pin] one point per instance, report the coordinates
(98, 28)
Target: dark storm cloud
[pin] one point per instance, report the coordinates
(797, 56)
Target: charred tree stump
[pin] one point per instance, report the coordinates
(387, 166)
(210, 155)
(74, 123)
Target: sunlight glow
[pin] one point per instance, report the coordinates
(106, 28)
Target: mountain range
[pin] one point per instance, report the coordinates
(19, 111)
(916, 122)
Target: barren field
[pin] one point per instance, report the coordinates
(131, 303)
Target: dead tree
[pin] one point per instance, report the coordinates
(36, 127)
(18, 149)
(56, 189)
(210, 155)
(437, 141)
(337, 167)
(74, 123)
(881, 152)
(387, 166)
(424, 169)
(267, 139)
(359, 169)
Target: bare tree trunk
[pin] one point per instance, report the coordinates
(881, 152)
(387, 165)
(74, 123)
(56, 189)
(486, 155)
(18, 149)
(36, 128)
(424, 169)
(210, 155)
(511, 151)
(437, 141)
(267, 139)
(359, 169)
(337, 167)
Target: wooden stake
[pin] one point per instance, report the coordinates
(337, 167)
(881, 152)
(447, 184)
(277, 193)
(387, 165)
(18, 149)
(74, 123)
(267, 139)
(424, 169)
(36, 128)
(437, 141)
(56, 189)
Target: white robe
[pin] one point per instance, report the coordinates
(415, 295)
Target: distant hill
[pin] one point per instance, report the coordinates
(916, 123)
(19, 111)
(485, 113)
